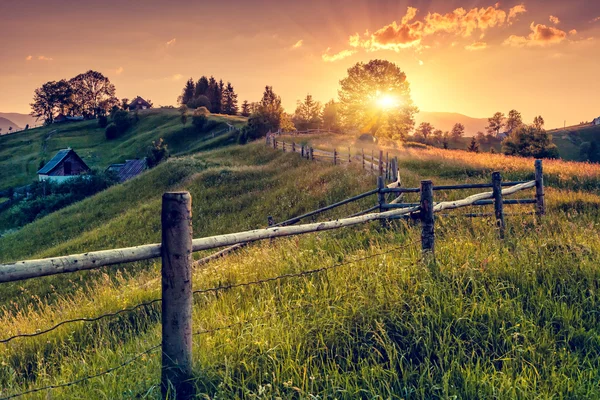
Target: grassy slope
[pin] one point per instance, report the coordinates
(21, 154)
(517, 318)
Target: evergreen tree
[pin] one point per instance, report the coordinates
(307, 114)
(201, 87)
(331, 115)
(213, 95)
(230, 103)
(245, 109)
(188, 92)
(473, 146)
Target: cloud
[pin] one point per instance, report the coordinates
(411, 32)
(44, 58)
(554, 20)
(298, 44)
(177, 77)
(595, 19)
(476, 46)
(421, 63)
(541, 35)
(573, 32)
(28, 58)
(119, 70)
(338, 56)
(171, 42)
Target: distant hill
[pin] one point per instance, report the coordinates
(5, 123)
(445, 121)
(20, 119)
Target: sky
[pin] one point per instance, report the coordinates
(472, 57)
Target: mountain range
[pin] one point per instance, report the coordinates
(16, 120)
(5, 124)
(446, 120)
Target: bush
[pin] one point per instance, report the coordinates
(199, 102)
(529, 141)
(199, 120)
(102, 121)
(157, 153)
(414, 145)
(243, 136)
(122, 120)
(111, 132)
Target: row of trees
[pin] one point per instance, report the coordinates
(90, 95)
(217, 97)
(500, 123)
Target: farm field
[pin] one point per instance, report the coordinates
(516, 318)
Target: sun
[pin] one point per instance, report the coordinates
(387, 101)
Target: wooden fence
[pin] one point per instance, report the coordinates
(177, 246)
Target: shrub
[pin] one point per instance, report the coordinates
(199, 102)
(111, 131)
(157, 153)
(414, 145)
(530, 141)
(122, 120)
(199, 120)
(243, 136)
(102, 121)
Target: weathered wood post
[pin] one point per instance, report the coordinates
(540, 201)
(176, 372)
(283, 146)
(293, 147)
(380, 162)
(311, 154)
(372, 158)
(302, 151)
(274, 142)
(395, 169)
(349, 155)
(363, 158)
(381, 196)
(387, 165)
(334, 157)
(498, 205)
(427, 218)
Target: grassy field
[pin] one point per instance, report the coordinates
(490, 319)
(21, 154)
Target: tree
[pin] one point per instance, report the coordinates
(111, 131)
(495, 124)
(230, 102)
(446, 140)
(361, 93)
(188, 93)
(201, 88)
(125, 104)
(50, 99)
(589, 152)
(424, 130)
(458, 130)
(529, 141)
(93, 94)
(307, 114)
(214, 95)
(266, 117)
(286, 124)
(438, 135)
(331, 115)
(157, 153)
(245, 109)
(539, 122)
(473, 146)
(480, 136)
(183, 114)
(514, 120)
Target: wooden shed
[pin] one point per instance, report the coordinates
(65, 165)
(139, 104)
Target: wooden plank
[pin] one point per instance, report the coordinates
(540, 207)
(427, 218)
(498, 205)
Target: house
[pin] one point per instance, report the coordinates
(596, 121)
(128, 170)
(65, 165)
(139, 104)
(64, 118)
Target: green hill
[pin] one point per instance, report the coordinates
(22, 154)
(568, 140)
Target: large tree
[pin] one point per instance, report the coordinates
(530, 141)
(514, 120)
(93, 94)
(539, 122)
(230, 102)
(201, 88)
(188, 93)
(331, 115)
(245, 109)
(52, 98)
(424, 130)
(458, 130)
(495, 124)
(376, 95)
(307, 114)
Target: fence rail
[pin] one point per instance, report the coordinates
(177, 246)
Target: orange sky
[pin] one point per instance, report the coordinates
(471, 57)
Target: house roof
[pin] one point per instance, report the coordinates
(131, 168)
(57, 159)
(139, 100)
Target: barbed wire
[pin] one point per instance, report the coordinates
(298, 274)
(85, 378)
(85, 319)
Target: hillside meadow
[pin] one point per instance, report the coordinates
(490, 318)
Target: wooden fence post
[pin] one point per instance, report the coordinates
(387, 165)
(283, 147)
(334, 157)
(498, 205)
(349, 155)
(372, 158)
(381, 196)
(540, 205)
(293, 147)
(176, 249)
(363, 158)
(380, 162)
(395, 169)
(311, 154)
(427, 218)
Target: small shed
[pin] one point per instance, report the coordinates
(139, 104)
(128, 170)
(65, 165)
